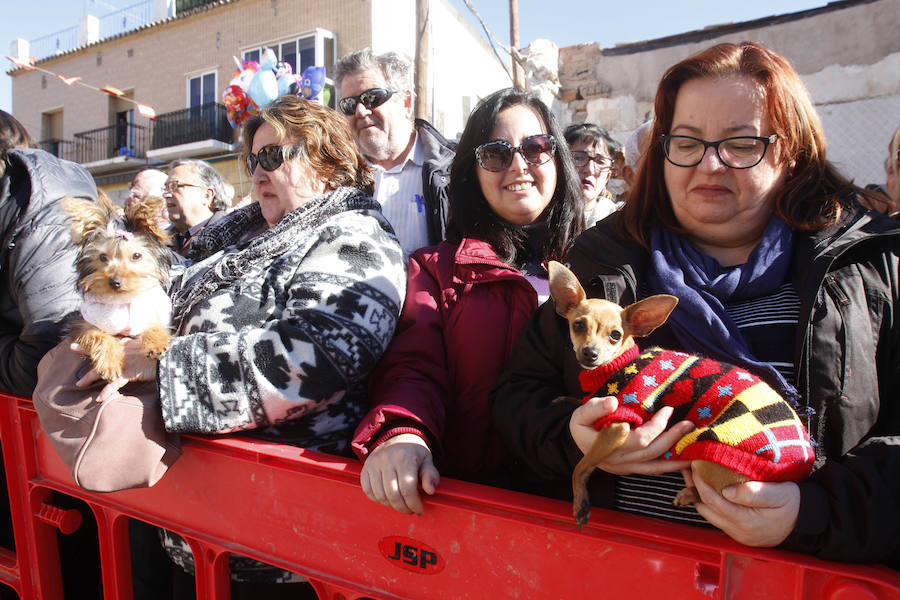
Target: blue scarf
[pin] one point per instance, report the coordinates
(702, 286)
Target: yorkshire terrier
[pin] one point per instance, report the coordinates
(123, 267)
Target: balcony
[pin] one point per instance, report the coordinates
(59, 148)
(198, 131)
(111, 148)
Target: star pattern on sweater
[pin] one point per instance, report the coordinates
(650, 381)
(612, 389)
(666, 365)
(630, 398)
(631, 369)
(724, 390)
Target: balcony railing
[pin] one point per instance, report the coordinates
(183, 5)
(204, 122)
(125, 139)
(60, 148)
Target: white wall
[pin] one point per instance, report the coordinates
(462, 68)
(394, 27)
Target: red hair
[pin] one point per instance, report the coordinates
(814, 192)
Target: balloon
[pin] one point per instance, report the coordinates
(312, 82)
(287, 81)
(238, 104)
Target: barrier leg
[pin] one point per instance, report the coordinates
(211, 570)
(115, 553)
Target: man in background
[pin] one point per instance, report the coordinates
(195, 198)
(411, 159)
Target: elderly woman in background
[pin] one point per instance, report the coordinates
(514, 204)
(594, 152)
(289, 304)
(778, 269)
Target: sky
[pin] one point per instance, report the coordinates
(565, 22)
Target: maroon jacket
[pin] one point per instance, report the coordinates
(464, 310)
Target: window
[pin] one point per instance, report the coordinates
(201, 89)
(302, 51)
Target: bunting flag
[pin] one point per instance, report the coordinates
(144, 109)
(69, 80)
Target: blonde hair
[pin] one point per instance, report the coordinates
(323, 135)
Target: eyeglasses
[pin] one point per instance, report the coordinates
(740, 152)
(497, 155)
(372, 98)
(582, 159)
(271, 157)
(173, 186)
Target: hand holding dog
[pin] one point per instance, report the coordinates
(645, 444)
(392, 472)
(755, 513)
(137, 366)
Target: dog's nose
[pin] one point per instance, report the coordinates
(589, 353)
(115, 283)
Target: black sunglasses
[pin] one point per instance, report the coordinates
(372, 98)
(497, 155)
(271, 157)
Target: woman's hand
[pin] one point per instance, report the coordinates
(392, 472)
(754, 513)
(645, 444)
(137, 366)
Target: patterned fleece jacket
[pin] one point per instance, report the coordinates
(741, 422)
(278, 331)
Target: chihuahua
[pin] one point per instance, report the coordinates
(744, 429)
(123, 270)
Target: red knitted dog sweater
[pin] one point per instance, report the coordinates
(741, 422)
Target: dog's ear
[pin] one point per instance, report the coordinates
(144, 215)
(641, 318)
(87, 217)
(565, 290)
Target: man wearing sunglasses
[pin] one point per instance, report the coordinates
(411, 159)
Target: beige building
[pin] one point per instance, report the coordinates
(181, 61)
(846, 52)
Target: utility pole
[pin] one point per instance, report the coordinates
(423, 50)
(518, 74)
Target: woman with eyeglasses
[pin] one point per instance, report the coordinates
(286, 309)
(778, 269)
(594, 152)
(514, 204)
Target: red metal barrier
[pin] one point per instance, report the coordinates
(305, 512)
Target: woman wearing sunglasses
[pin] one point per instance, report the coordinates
(514, 204)
(594, 152)
(288, 306)
(736, 211)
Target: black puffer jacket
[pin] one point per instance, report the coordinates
(847, 362)
(438, 153)
(37, 260)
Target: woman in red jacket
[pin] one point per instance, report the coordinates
(514, 204)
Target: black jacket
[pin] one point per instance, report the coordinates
(37, 260)
(438, 153)
(847, 362)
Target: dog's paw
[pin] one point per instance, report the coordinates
(108, 370)
(155, 342)
(581, 512)
(686, 497)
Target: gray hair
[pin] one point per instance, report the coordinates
(209, 177)
(633, 145)
(397, 70)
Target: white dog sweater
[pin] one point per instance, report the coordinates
(128, 315)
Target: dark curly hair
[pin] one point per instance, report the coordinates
(471, 215)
